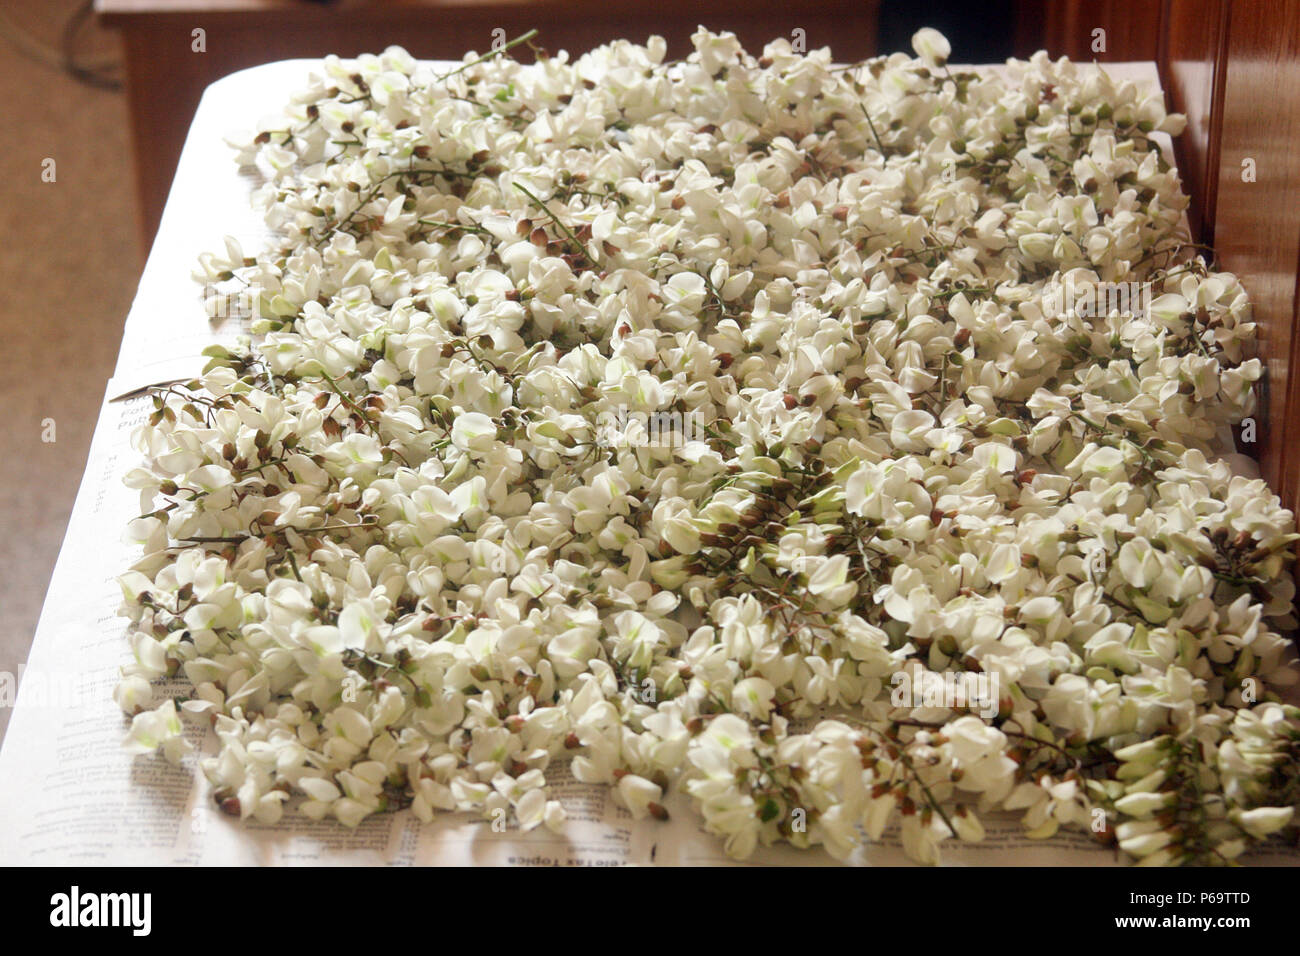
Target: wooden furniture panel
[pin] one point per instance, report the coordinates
(1257, 224)
(1065, 28)
(1192, 40)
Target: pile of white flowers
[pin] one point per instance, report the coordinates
(414, 545)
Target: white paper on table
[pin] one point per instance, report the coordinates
(70, 795)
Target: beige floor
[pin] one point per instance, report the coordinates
(69, 263)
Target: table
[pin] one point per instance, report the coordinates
(69, 795)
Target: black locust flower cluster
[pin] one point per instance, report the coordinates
(824, 447)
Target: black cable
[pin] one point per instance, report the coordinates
(91, 76)
(96, 73)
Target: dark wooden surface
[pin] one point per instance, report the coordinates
(1192, 73)
(1065, 28)
(1257, 225)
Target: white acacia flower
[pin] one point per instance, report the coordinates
(931, 46)
(156, 729)
(646, 421)
(473, 431)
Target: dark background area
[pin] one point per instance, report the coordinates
(979, 33)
